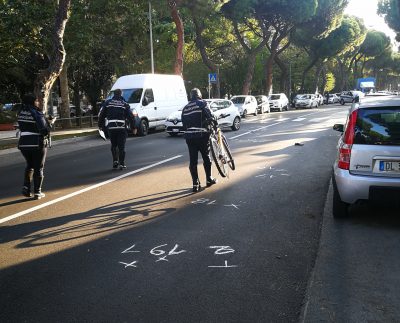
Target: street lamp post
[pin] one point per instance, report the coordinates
(290, 82)
(151, 40)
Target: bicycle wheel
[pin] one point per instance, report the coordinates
(217, 155)
(229, 160)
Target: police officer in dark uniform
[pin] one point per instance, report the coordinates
(33, 142)
(117, 112)
(196, 117)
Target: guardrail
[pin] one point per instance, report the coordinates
(76, 122)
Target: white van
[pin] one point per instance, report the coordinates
(152, 96)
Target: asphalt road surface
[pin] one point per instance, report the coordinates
(139, 246)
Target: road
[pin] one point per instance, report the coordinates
(139, 246)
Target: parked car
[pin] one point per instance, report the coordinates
(350, 96)
(7, 106)
(262, 104)
(319, 98)
(173, 123)
(247, 104)
(306, 101)
(278, 101)
(368, 161)
(333, 98)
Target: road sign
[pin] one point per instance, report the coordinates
(212, 77)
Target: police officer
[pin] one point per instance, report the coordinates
(117, 112)
(196, 116)
(33, 142)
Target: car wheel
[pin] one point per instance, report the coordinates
(244, 113)
(342, 102)
(236, 124)
(143, 128)
(339, 208)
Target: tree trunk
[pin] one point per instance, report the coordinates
(324, 80)
(307, 69)
(285, 77)
(251, 63)
(178, 68)
(341, 73)
(317, 76)
(64, 111)
(269, 73)
(46, 78)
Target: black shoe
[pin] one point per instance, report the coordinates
(39, 195)
(196, 188)
(26, 192)
(115, 165)
(122, 166)
(211, 181)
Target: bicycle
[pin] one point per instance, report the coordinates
(220, 150)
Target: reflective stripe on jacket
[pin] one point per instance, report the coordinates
(34, 127)
(116, 111)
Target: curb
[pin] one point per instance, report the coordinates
(54, 143)
(312, 310)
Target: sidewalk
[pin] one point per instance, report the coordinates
(11, 134)
(356, 273)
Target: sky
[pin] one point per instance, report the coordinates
(366, 9)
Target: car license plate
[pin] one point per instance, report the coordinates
(175, 130)
(389, 166)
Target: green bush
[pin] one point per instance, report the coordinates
(8, 117)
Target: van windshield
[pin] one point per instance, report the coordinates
(130, 95)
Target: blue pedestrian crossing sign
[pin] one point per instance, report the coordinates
(212, 77)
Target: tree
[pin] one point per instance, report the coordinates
(375, 43)
(390, 9)
(173, 5)
(46, 78)
(278, 19)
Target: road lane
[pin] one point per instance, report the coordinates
(145, 249)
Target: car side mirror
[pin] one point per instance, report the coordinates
(338, 127)
(145, 101)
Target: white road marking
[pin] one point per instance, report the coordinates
(274, 124)
(299, 119)
(89, 188)
(251, 131)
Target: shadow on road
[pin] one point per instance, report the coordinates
(106, 218)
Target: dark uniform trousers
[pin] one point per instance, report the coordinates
(35, 159)
(195, 146)
(118, 140)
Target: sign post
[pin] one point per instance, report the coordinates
(212, 78)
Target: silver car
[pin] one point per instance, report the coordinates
(368, 161)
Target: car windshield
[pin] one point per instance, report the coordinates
(378, 126)
(130, 95)
(259, 99)
(238, 100)
(275, 97)
(305, 97)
